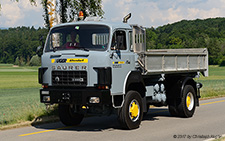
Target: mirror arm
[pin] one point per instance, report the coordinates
(40, 48)
(111, 55)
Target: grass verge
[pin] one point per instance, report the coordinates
(19, 96)
(220, 139)
(21, 105)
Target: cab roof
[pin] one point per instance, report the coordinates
(111, 25)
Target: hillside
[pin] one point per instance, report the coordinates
(208, 33)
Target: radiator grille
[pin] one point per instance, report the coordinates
(69, 78)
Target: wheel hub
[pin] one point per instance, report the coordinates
(134, 110)
(190, 101)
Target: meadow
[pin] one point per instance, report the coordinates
(214, 85)
(19, 92)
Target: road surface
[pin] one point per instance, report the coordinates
(208, 122)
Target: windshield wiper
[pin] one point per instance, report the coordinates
(54, 49)
(85, 49)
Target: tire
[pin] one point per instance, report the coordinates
(173, 111)
(68, 117)
(173, 101)
(131, 114)
(187, 106)
(145, 113)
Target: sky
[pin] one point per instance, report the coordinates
(148, 13)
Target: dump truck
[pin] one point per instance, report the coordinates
(103, 68)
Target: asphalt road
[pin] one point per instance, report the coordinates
(208, 122)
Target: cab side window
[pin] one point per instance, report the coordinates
(119, 40)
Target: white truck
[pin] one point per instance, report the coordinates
(102, 68)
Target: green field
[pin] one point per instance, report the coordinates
(19, 92)
(214, 85)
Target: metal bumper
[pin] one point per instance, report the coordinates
(79, 96)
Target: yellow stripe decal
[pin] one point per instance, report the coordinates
(45, 131)
(119, 62)
(212, 102)
(76, 60)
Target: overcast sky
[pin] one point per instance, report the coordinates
(144, 12)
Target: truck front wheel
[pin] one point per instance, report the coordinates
(131, 114)
(68, 117)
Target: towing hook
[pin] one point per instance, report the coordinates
(66, 96)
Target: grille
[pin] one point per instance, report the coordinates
(69, 78)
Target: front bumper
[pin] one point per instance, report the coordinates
(79, 96)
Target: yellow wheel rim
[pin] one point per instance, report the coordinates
(190, 101)
(134, 110)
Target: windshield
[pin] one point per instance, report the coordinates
(86, 37)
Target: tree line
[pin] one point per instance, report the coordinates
(208, 33)
(18, 45)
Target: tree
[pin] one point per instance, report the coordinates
(215, 54)
(35, 61)
(68, 10)
(46, 15)
(17, 61)
(151, 37)
(20, 43)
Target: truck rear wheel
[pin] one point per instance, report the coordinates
(68, 117)
(188, 102)
(131, 114)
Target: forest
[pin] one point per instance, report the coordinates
(208, 33)
(18, 45)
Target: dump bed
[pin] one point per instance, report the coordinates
(176, 61)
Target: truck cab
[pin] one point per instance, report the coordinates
(87, 55)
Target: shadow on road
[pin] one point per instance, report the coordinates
(153, 113)
(103, 123)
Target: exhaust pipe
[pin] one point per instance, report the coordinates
(126, 18)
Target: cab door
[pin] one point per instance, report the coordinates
(122, 60)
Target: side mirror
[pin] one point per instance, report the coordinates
(39, 50)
